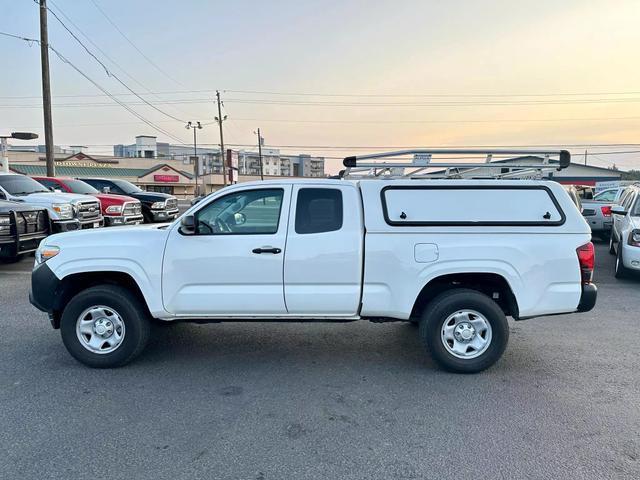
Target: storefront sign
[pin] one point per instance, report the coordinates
(166, 178)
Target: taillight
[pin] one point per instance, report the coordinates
(586, 258)
(606, 210)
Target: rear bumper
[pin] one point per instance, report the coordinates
(588, 297)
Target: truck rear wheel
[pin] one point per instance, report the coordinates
(105, 326)
(465, 330)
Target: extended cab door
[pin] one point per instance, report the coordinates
(323, 261)
(233, 264)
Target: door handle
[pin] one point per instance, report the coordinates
(273, 250)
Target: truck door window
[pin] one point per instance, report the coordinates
(606, 196)
(318, 210)
(246, 212)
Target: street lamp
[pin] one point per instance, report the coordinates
(195, 126)
(4, 158)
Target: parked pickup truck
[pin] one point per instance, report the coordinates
(456, 256)
(116, 209)
(156, 206)
(68, 211)
(597, 211)
(22, 227)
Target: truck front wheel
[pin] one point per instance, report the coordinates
(104, 326)
(465, 330)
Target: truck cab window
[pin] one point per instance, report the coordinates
(246, 212)
(318, 210)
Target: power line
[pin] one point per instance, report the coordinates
(133, 44)
(259, 101)
(95, 84)
(427, 95)
(108, 72)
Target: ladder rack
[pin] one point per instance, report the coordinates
(420, 164)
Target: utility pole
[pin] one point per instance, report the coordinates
(585, 157)
(221, 119)
(195, 126)
(46, 89)
(260, 153)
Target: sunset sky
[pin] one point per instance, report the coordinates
(373, 73)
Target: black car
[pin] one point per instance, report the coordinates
(22, 226)
(156, 207)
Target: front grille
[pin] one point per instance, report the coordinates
(31, 222)
(131, 209)
(88, 211)
(172, 203)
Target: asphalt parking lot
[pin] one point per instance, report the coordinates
(309, 401)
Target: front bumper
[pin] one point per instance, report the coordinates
(630, 256)
(12, 246)
(44, 288)
(588, 297)
(163, 215)
(115, 220)
(60, 226)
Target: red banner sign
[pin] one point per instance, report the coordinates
(166, 178)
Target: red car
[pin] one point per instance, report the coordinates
(116, 209)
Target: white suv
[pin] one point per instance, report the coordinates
(625, 234)
(456, 256)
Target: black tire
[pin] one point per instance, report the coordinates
(621, 271)
(612, 247)
(447, 303)
(134, 316)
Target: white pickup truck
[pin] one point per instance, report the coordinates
(456, 256)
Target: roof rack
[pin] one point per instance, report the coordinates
(418, 164)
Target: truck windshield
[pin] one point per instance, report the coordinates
(78, 186)
(127, 187)
(20, 185)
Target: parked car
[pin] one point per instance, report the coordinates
(22, 226)
(330, 250)
(116, 209)
(573, 195)
(625, 234)
(156, 207)
(68, 211)
(597, 211)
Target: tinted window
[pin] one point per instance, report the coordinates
(49, 183)
(78, 186)
(318, 210)
(246, 212)
(20, 185)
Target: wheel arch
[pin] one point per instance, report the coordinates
(75, 283)
(494, 285)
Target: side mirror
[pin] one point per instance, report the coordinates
(188, 225)
(106, 190)
(618, 210)
(239, 218)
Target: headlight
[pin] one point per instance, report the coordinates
(5, 225)
(46, 252)
(114, 209)
(64, 210)
(157, 205)
(634, 238)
